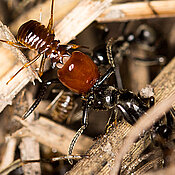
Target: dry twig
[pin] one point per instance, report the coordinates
(8, 92)
(53, 135)
(137, 10)
(9, 154)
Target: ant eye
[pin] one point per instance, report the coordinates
(109, 101)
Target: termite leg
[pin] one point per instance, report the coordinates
(41, 69)
(80, 131)
(74, 46)
(24, 66)
(50, 24)
(17, 45)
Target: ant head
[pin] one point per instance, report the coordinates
(104, 97)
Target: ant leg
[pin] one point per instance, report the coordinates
(41, 69)
(111, 121)
(170, 117)
(17, 45)
(50, 24)
(109, 72)
(114, 65)
(24, 66)
(42, 92)
(80, 131)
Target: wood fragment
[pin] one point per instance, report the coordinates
(137, 10)
(79, 18)
(53, 135)
(9, 154)
(168, 171)
(9, 91)
(29, 148)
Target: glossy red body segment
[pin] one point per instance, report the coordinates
(79, 73)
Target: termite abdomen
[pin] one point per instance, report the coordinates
(34, 35)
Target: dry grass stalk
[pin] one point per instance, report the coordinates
(53, 135)
(79, 18)
(168, 171)
(137, 10)
(9, 154)
(8, 92)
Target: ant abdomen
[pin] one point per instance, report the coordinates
(34, 35)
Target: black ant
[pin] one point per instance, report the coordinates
(144, 36)
(80, 74)
(104, 97)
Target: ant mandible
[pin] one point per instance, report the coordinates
(34, 35)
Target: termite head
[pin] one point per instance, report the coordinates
(58, 54)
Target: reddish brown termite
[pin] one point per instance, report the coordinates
(34, 35)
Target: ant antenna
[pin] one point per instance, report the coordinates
(74, 140)
(111, 60)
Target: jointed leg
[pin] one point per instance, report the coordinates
(42, 92)
(74, 46)
(24, 66)
(50, 25)
(80, 131)
(99, 82)
(17, 45)
(111, 120)
(41, 69)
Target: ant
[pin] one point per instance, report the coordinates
(144, 37)
(103, 97)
